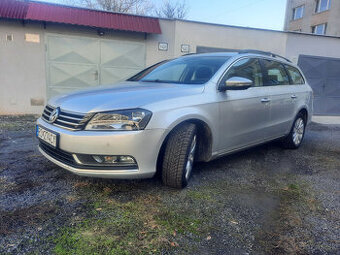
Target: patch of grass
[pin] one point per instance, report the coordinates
(179, 222)
(143, 225)
(200, 195)
(17, 122)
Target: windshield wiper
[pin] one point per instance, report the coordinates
(156, 80)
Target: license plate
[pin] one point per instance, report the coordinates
(47, 136)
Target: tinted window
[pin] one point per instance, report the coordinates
(275, 73)
(248, 68)
(187, 70)
(295, 75)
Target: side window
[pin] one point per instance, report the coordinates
(295, 75)
(248, 68)
(275, 73)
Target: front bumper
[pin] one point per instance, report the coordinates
(143, 145)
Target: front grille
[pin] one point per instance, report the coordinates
(72, 121)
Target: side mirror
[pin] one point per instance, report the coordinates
(237, 83)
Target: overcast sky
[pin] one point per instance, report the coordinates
(267, 14)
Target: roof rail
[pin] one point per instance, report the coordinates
(267, 53)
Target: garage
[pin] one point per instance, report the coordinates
(75, 62)
(323, 76)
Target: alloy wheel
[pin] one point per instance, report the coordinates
(298, 131)
(191, 157)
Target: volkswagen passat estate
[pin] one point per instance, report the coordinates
(194, 108)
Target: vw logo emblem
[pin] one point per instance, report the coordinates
(54, 115)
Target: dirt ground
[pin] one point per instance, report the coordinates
(262, 201)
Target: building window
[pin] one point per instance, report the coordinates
(319, 29)
(322, 5)
(298, 12)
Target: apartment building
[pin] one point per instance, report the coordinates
(321, 17)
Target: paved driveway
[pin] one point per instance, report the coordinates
(262, 201)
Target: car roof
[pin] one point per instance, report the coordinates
(260, 54)
(212, 54)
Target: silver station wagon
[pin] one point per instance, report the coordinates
(194, 108)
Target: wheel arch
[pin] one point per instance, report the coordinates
(205, 139)
(304, 112)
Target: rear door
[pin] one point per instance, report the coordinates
(282, 97)
(244, 114)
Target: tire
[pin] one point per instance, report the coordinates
(179, 156)
(295, 137)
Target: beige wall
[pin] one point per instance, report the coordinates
(310, 18)
(227, 37)
(153, 55)
(22, 63)
(22, 69)
(299, 44)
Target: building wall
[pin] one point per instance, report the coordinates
(22, 63)
(228, 37)
(310, 18)
(22, 70)
(298, 44)
(153, 55)
(334, 18)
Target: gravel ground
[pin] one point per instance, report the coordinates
(262, 201)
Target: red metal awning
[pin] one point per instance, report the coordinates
(13, 9)
(38, 11)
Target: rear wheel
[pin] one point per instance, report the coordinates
(294, 139)
(179, 156)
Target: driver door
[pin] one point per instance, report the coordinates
(244, 114)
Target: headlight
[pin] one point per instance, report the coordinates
(136, 119)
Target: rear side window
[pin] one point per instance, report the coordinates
(275, 73)
(295, 75)
(248, 68)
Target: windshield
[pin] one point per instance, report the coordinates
(146, 71)
(188, 70)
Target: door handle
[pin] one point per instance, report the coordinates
(293, 96)
(265, 100)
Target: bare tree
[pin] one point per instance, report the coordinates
(142, 7)
(173, 10)
(168, 9)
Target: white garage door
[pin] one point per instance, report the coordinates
(75, 63)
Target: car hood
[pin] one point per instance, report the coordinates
(125, 95)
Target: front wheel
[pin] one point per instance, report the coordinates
(179, 156)
(294, 139)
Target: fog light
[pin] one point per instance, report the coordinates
(105, 159)
(110, 159)
(126, 160)
(101, 160)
